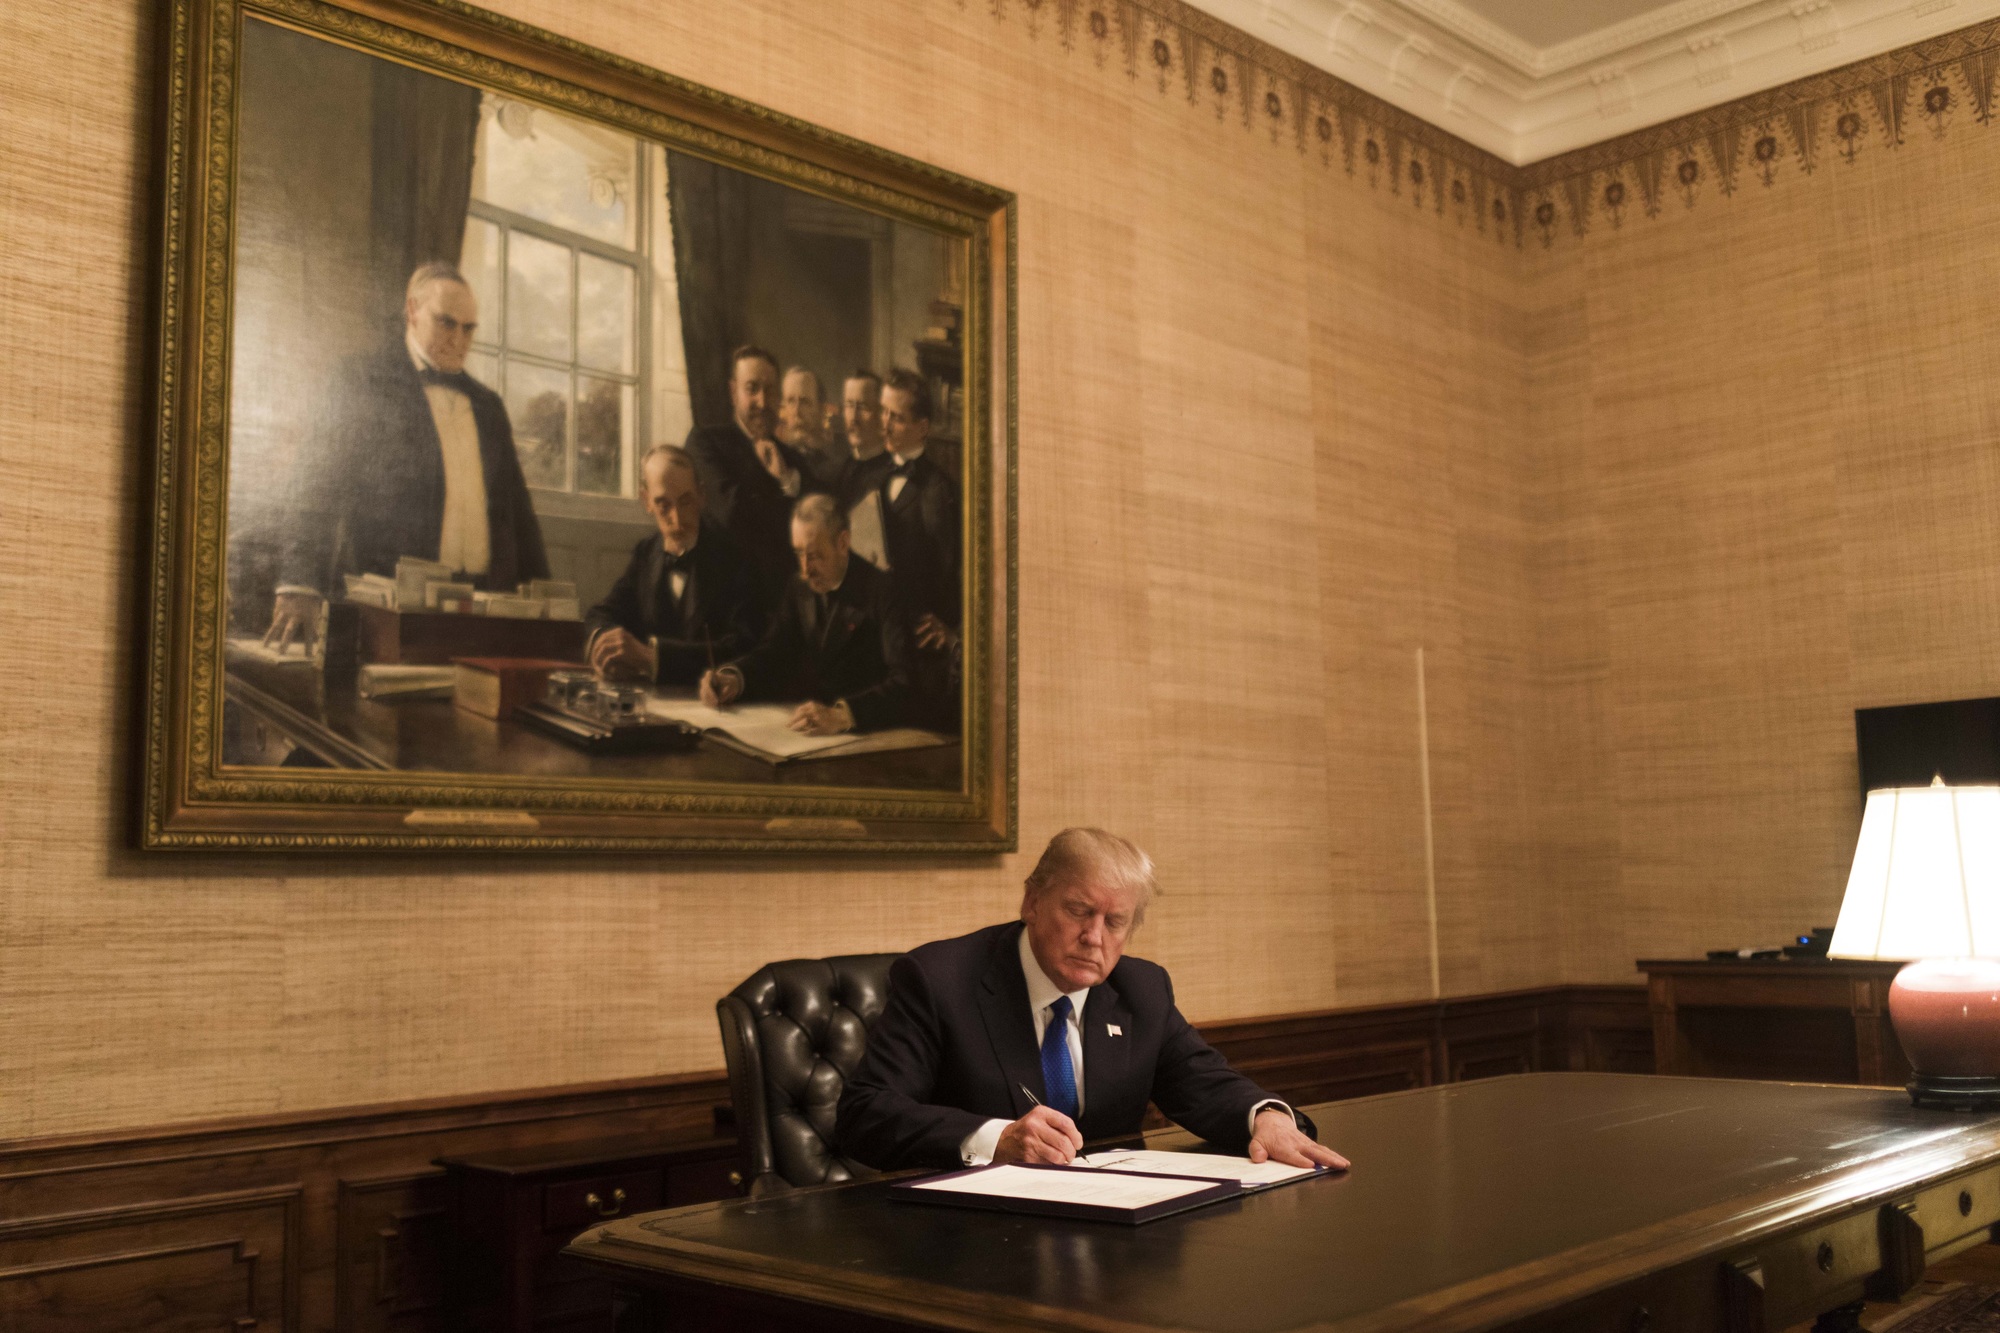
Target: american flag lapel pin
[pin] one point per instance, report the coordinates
(1113, 1030)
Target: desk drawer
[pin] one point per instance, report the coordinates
(569, 1206)
(704, 1182)
(1812, 1271)
(1958, 1212)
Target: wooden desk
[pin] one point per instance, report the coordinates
(1536, 1201)
(1814, 1020)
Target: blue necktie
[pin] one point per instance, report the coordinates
(1058, 1074)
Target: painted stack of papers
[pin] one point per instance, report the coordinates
(425, 585)
(764, 731)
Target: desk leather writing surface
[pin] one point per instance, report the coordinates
(1449, 1184)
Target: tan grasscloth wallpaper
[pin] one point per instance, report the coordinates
(1659, 506)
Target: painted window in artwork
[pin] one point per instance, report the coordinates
(555, 249)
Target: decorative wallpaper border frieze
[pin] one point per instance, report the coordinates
(1172, 50)
(1175, 51)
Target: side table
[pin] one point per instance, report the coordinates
(513, 1210)
(1813, 1020)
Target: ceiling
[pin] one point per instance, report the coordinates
(1527, 79)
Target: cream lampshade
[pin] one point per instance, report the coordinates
(1926, 887)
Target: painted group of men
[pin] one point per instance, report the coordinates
(749, 587)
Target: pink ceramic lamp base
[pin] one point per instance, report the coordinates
(1947, 1017)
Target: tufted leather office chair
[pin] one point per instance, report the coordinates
(792, 1034)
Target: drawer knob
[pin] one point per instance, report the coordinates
(1825, 1257)
(597, 1205)
(1965, 1203)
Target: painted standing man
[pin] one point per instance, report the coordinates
(749, 479)
(412, 457)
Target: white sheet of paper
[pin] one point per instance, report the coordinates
(1095, 1187)
(766, 726)
(297, 654)
(895, 738)
(1209, 1166)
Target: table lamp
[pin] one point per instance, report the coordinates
(1926, 887)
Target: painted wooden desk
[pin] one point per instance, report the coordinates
(270, 712)
(1537, 1201)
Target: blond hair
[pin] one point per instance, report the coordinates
(1078, 854)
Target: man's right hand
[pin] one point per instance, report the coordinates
(771, 458)
(294, 619)
(1042, 1135)
(720, 686)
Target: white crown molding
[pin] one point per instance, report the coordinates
(1461, 72)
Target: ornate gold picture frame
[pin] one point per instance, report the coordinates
(553, 453)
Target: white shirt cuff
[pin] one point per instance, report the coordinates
(978, 1147)
(1267, 1104)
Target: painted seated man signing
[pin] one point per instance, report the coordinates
(838, 639)
(1019, 1043)
(687, 599)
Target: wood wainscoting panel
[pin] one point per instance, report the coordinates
(226, 1261)
(1489, 1035)
(1608, 1028)
(328, 1221)
(1338, 1053)
(393, 1240)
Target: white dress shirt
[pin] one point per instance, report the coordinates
(978, 1147)
(464, 542)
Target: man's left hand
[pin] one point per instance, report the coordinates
(617, 653)
(822, 719)
(1278, 1140)
(930, 632)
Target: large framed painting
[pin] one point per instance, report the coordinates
(556, 453)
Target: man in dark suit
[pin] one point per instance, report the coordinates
(867, 459)
(919, 505)
(686, 600)
(1019, 1043)
(412, 457)
(838, 640)
(920, 529)
(749, 480)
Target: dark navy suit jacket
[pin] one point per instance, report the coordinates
(740, 496)
(956, 1046)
